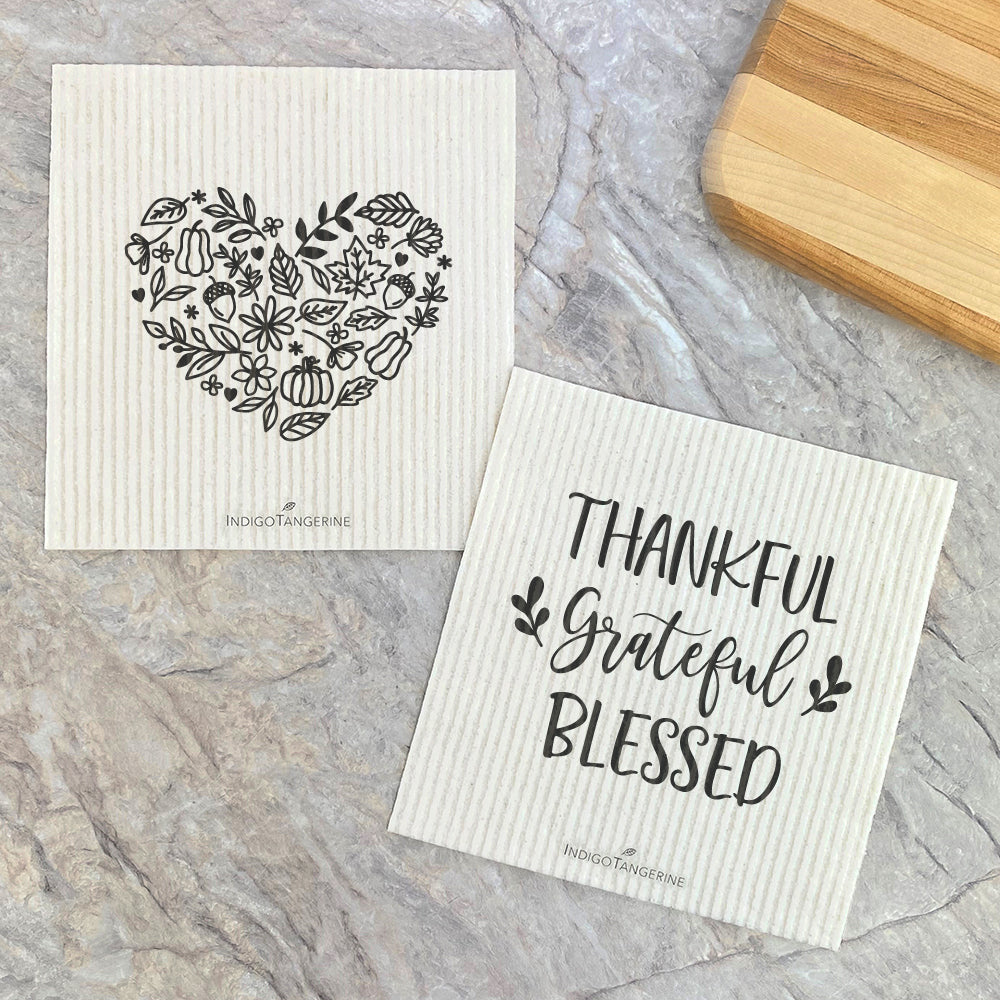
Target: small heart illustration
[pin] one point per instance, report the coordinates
(304, 323)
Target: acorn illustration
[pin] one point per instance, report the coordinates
(220, 297)
(398, 289)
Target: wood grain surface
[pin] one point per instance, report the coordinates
(860, 146)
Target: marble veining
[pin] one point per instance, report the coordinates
(199, 750)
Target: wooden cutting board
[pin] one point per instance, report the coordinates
(860, 146)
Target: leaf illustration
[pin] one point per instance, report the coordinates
(321, 312)
(423, 319)
(833, 669)
(270, 414)
(165, 211)
(174, 294)
(424, 236)
(532, 621)
(366, 318)
(243, 226)
(629, 852)
(156, 330)
(286, 279)
(160, 294)
(355, 390)
(433, 291)
(825, 701)
(250, 404)
(249, 282)
(301, 425)
(345, 204)
(320, 277)
(320, 232)
(203, 363)
(227, 339)
(388, 210)
(358, 273)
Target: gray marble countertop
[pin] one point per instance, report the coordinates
(199, 750)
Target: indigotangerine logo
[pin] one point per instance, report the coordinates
(622, 863)
(286, 519)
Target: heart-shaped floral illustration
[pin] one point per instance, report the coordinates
(315, 327)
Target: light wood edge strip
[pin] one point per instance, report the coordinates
(865, 160)
(859, 225)
(842, 272)
(886, 89)
(947, 54)
(975, 22)
(883, 87)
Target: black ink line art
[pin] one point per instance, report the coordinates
(824, 701)
(357, 273)
(532, 620)
(388, 210)
(323, 231)
(239, 226)
(234, 261)
(259, 303)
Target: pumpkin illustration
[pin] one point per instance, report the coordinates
(194, 255)
(307, 384)
(388, 354)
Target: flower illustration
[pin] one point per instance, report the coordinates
(198, 197)
(444, 262)
(255, 373)
(138, 250)
(211, 385)
(379, 239)
(163, 252)
(266, 324)
(424, 237)
(338, 334)
(191, 311)
(271, 226)
(295, 347)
